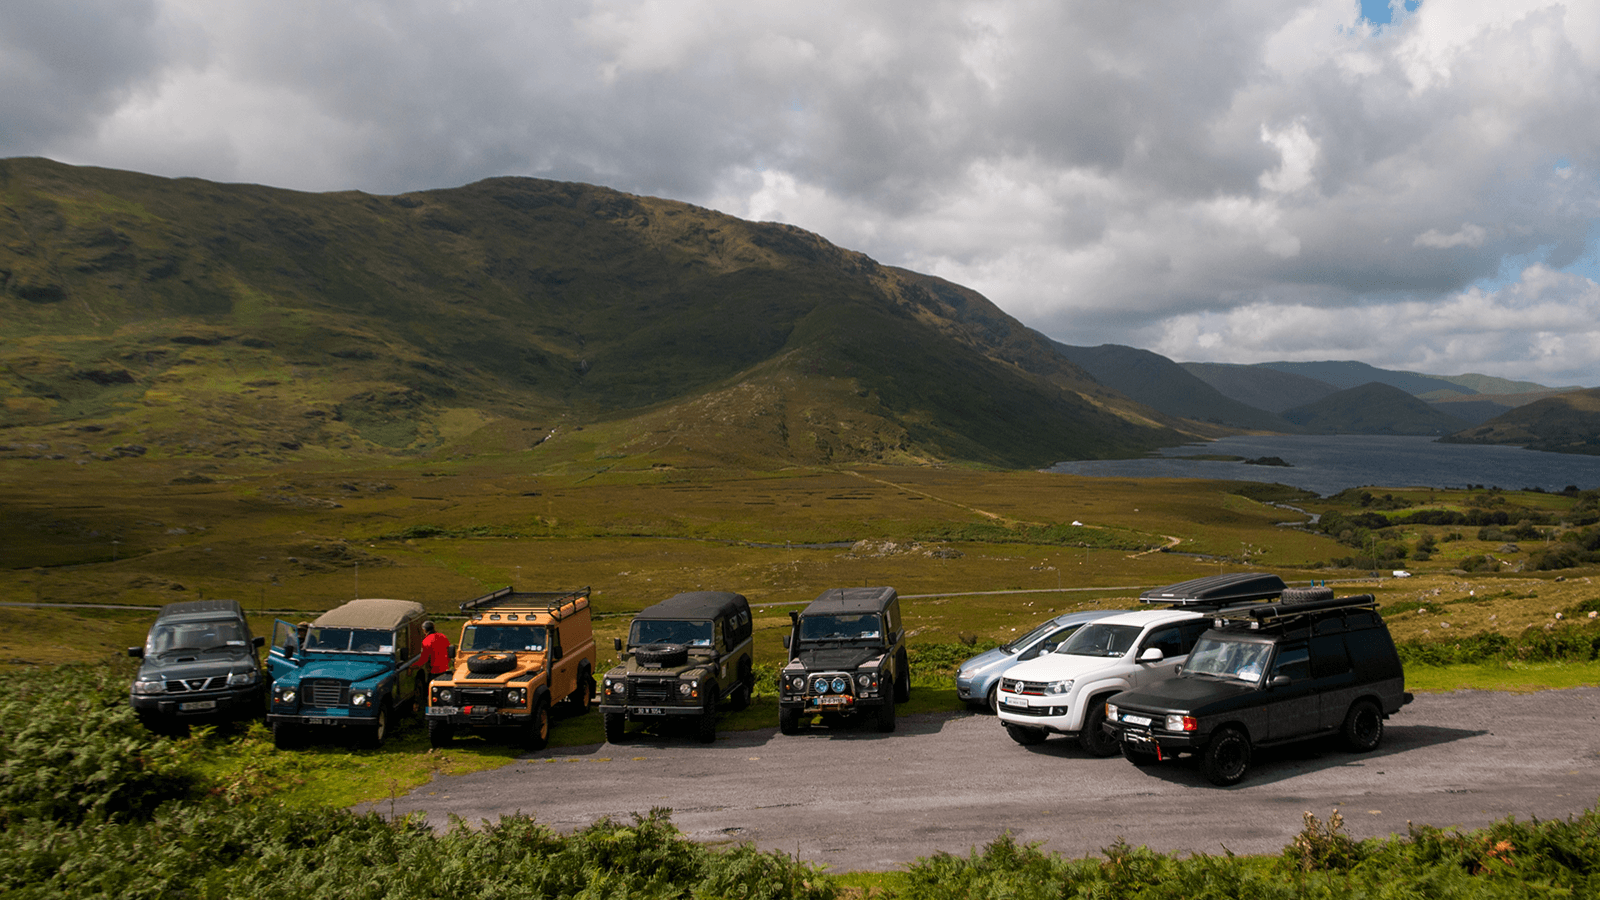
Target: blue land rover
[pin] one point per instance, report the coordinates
(356, 667)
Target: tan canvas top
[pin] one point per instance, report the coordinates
(372, 613)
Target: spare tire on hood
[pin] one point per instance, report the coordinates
(662, 654)
(491, 663)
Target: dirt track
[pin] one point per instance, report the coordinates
(855, 799)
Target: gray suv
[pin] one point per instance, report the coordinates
(199, 662)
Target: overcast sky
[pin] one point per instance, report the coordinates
(1417, 188)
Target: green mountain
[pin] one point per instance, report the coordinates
(1373, 408)
(1566, 423)
(1344, 374)
(1164, 385)
(193, 319)
(1259, 386)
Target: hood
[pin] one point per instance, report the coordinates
(528, 663)
(984, 660)
(1191, 694)
(842, 658)
(344, 669)
(1058, 666)
(200, 665)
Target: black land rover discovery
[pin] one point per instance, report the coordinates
(1268, 673)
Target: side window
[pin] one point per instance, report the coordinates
(1049, 644)
(402, 643)
(1191, 633)
(1168, 640)
(1328, 656)
(1294, 660)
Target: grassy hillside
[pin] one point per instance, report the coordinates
(1259, 386)
(190, 319)
(1566, 423)
(1373, 408)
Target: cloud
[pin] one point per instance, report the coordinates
(1146, 174)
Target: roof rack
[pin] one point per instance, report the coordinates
(1262, 615)
(1215, 591)
(554, 602)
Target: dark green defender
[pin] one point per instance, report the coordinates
(683, 656)
(847, 657)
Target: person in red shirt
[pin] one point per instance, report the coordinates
(435, 651)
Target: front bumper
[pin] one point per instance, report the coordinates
(209, 703)
(1156, 740)
(338, 718)
(643, 713)
(1053, 714)
(479, 716)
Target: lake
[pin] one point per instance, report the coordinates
(1328, 464)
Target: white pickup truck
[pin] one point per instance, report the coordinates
(1065, 692)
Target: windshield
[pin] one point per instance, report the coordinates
(1101, 640)
(1028, 638)
(503, 637)
(840, 627)
(196, 637)
(1239, 660)
(658, 631)
(349, 640)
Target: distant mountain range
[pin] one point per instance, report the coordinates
(183, 319)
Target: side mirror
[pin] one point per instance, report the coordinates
(259, 642)
(1279, 680)
(617, 643)
(138, 652)
(786, 641)
(1151, 654)
(794, 617)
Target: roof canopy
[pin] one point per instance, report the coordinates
(695, 605)
(373, 613)
(851, 600)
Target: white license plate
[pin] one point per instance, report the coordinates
(833, 701)
(649, 711)
(1014, 701)
(194, 705)
(1137, 720)
(315, 720)
(443, 710)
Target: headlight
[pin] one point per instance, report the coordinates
(797, 683)
(820, 686)
(683, 689)
(516, 697)
(1058, 687)
(286, 695)
(1182, 723)
(248, 676)
(864, 681)
(149, 687)
(1111, 712)
(359, 698)
(612, 687)
(443, 696)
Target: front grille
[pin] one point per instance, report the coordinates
(324, 692)
(191, 685)
(1014, 686)
(479, 697)
(830, 677)
(652, 690)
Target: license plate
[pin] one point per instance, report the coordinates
(194, 705)
(1013, 701)
(1137, 720)
(649, 711)
(443, 710)
(320, 721)
(833, 701)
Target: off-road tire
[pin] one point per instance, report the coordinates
(536, 735)
(582, 697)
(789, 720)
(665, 655)
(994, 698)
(886, 714)
(1293, 595)
(1094, 739)
(1226, 758)
(375, 734)
(705, 728)
(491, 663)
(440, 733)
(616, 727)
(286, 735)
(1140, 758)
(1363, 727)
(1027, 737)
(740, 698)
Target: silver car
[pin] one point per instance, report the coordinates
(978, 679)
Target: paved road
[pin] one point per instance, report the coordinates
(858, 800)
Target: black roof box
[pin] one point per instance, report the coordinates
(1217, 590)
